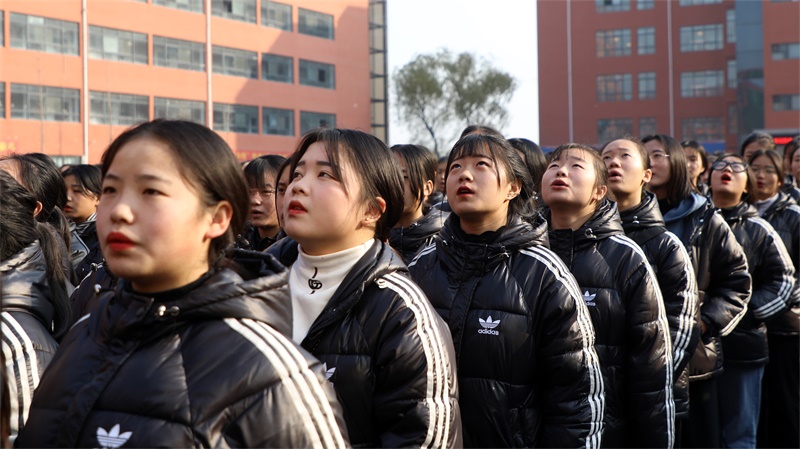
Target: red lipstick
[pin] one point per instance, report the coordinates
(296, 208)
(117, 241)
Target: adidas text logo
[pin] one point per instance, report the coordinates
(488, 326)
(589, 299)
(112, 439)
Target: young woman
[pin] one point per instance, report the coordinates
(696, 163)
(416, 227)
(772, 271)
(354, 306)
(720, 269)
(788, 152)
(35, 307)
(83, 194)
(628, 167)
(622, 295)
(262, 179)
(185, 351)
(534, 159)
(754, 142)
(527, 367)
(780, 404)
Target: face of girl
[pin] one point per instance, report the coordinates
(442, 168)
(727, 181)
(626, 172)
(796, 164)
(262, 205)
(152, 226)
(569, 182)
(474, 192)
(767, 182)
(280, 193)
(694, 163)
(409, 201)
(659, 164)
(751, 148)
(318, 212)
(80, 204)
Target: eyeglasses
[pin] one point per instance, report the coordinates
(770, 170)
(658, 156)
(262, 193)
(736, 167)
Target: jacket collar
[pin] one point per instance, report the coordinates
(23, 277)
(688, 205)
(782, 202)
(604, 223)
(739, 212)
(410, 238)
(645, 215)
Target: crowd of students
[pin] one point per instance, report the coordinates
(640, 294)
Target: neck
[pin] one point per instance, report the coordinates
(569, 218)
(724, 201)
(627, 200)
(407, 218)
(661, 192)
(479, 226)
(765, 197)
(268, 231)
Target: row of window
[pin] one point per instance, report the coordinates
(617, 42)
(695, 128)
(706, 83)
(625, 5)
(108, 108)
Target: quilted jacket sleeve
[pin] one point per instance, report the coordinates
(773, 278)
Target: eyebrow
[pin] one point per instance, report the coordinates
(144, 177)
(318, 163)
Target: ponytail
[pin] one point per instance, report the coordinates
(53, 250)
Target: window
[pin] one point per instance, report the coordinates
(277, 68)
(613, 43)
(53, 104)
(612, 5)
(647, 85)
(314, 23)
(730, 26)
(171, 108)
(785, 51)
(2, 99)
(276, 15)
(698, 2)
(279, 122)
(703, 129)
(65, 160)
(236, 118)
(646, 41)
(615, 87)
(701, 38)
(186, 5)
(117, 45)
(312, 120)
(708, 83)
(43, 34)
(107, 108)
(614, 128)
(789, 102)
(317, 74)
(178, 54)
(230, 61)
(244, 10)
(645, 4)
(731, 74)
(647, 126)
(733, 119)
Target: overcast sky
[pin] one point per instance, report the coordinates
(502, 31)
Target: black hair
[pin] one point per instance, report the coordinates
(20, 229)
(89, 177)
(204, 161)
(789, 149)
(262, 167)
(776, 160)
(678, 186)
(763, 138)
(502, 153)
(482, 130)
(748, 196)
(373, 165)
(534, 159)
(421, 167)
(701, 151)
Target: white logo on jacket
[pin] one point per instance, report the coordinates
(328, 372)
(589, 298)
(112, 439)
(488, 325)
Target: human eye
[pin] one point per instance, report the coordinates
(281, 189)
(150, 191)
(108, 190)
(626, 155)
(295, 175)
(454, 166)
(606, 157)
(326, 174)
(553, 165)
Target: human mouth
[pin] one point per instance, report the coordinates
(117, 241)
(614, 175)
(296, 208)
(725, 178)
(463, 190)
(558, 184)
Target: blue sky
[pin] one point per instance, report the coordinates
(502, 31)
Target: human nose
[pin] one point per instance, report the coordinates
(465, 174)
(119, 211)
(255, 197)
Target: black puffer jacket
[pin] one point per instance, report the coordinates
(673, 268)
(720, 268)
(206, 366)
(387, 353)
(791, 188)
(27, 316)
(251, 240)
(784, 216)
(624, 301)
(527, 367)
(87, 231)
(772, 272)
(409, 241)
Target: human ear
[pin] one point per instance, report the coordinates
(648, 175)
(221, 215)
(600, 192)
(514, 188)
(427, 188)
(373, 214)
(38, 209)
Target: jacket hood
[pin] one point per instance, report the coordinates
(255, 288)
(410, 238)
(739, 212)
(687, 205)
(646, 215)
(25, 287)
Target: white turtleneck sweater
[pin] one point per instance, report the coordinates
(314, 279)
(762, 206)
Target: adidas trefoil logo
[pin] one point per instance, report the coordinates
(328, 372)
(488, 326)
(589, 298)
(112, 439)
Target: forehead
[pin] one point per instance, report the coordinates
(145, 154)
(620, 144)
(763, 160)
(572, 153)
(654, 145)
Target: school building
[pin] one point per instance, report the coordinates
(74, 74)
(708, 70)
